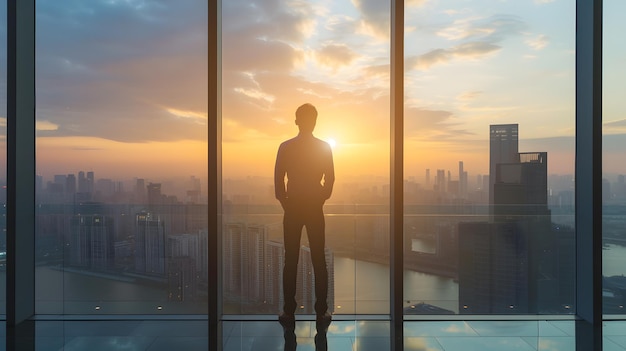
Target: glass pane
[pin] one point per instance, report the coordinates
(121, 157)
(489, 157)
(613, 141)
(276, 57)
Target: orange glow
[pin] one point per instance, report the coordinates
(121, 160)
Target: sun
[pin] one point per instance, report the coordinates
(332, 142)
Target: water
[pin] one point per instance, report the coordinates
(360, 287)
(613, 260)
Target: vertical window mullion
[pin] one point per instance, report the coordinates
(589, 174)
(396, 177)
(20, 161)
(214, 175)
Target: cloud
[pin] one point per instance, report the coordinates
(198, 116)
(612, 127)
(476, 38)
(424, 124)
(375, 16)
(335, 55)
(45, 125)
(491, 29)
(537, 43)
(280, 20)
(469, 95)
(107, 68)
(470, 50)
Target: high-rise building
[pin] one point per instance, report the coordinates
(149, 244)
(503, 148)
(440, 181)
(521, 188)
(82, 182)
(274, 262)
(92, 242)
(493, 268)
(181, 279)
(70, 184)
(154, 194)
(244, 261)
(91, 180)
(140, 191)
(462, 181)
(510, 264)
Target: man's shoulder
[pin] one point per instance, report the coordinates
(287, 143)
(322, 144)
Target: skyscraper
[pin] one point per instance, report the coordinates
(503, 148)
(508, 265)
(92, 242)
(181, 279)
(274, 262)
(244, 261)
(154, 194)
(149, 244)
(70, 184)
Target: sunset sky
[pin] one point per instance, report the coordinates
(122, 84)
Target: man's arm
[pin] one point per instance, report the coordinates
(329, 174)
(279, 176)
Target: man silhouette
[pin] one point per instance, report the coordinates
(307, 163)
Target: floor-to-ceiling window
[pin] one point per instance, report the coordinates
(613, 184)
(277, 56)
(121, 121)
(489, 157)
(121, 157)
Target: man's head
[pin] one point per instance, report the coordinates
(306, 115)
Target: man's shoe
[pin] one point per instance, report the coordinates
(322, 321)
(288, 321)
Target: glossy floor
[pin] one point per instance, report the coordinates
(154, 335)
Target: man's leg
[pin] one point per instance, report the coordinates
(315, 228)
(292, 231)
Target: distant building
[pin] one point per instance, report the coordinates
(274, 262)
(149, 244)
(154, 194)
(511, 263)
(182, 279)
(92, 242)
(244, 261)
(503, 148)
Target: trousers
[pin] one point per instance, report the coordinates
(311, 217)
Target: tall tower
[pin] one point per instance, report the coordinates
(503, 148)
(149, 244)
(90, 182)
(70, 184)
(92, 242)
(274, 262)
(154, 194)
(462, 181)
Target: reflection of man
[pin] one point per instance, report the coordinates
(307, 163)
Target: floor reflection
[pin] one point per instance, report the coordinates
(151, 335)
